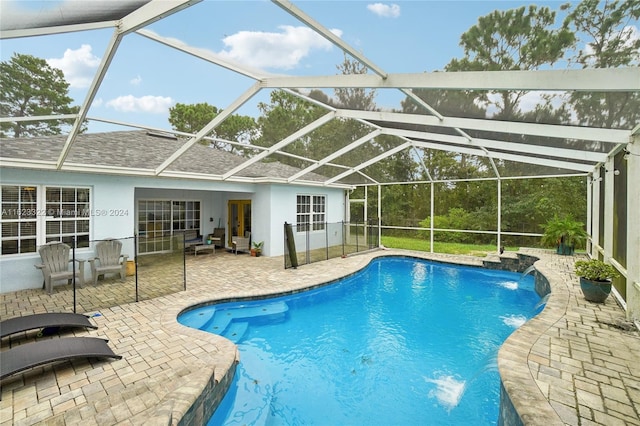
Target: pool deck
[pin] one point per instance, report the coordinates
(574, 364)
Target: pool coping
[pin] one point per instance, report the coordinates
(522, 401)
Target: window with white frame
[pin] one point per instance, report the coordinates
(310, 212)
(33, 215)
(19, 208)
(68, 214)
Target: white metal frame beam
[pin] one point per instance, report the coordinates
(209, 127)
(532, 129)
(368, 163)
(336, 154)
(203, 54)
(509, 157)
(324, 32)
(146, 14)
(564, 153)
(592, 79)
(279, 145)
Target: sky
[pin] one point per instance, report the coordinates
(146, 78)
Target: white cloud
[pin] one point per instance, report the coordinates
(150, 104)
(77, 65)
(136, 80)
(385, 10)
(282, 50)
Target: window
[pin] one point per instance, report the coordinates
(67, 215)
(310, 212)
(159, 219)
(19, 207)
(186, 215)
(61, 213)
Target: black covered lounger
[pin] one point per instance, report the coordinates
(43, 352)
(53, 320)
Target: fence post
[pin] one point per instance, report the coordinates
(342, 238)
(326, 239)
(184, 260)
(73, 271)
(135, 260)
(307, 246)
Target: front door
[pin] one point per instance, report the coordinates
(239, 218)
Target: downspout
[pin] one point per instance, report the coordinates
(633, 226)
(608, 208)
(499, 214)
(589, 184)
(379, 215)
(431, 222)
(595, 212)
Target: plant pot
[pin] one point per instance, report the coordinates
(130, 269)
(595, 291)
(253, 253)
(565, 249)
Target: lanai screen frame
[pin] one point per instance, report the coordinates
(134, 15)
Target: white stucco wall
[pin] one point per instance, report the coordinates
(283, 209)
(114, 200)
(112, 215)
(113, 205)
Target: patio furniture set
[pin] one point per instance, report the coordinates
(56, 258)
(29, 355)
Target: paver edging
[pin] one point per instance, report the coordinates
(196, 396)
(519, 390)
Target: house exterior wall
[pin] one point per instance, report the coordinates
(114, 200)
(284, 199)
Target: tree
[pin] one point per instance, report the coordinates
(516, 39)
(283, 116)
(354, 98)
(30, 87)
(191, 118)
(450, 103)
(608, 38)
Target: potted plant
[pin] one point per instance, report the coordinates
(257, 248)
(564, 233)
(595, 279)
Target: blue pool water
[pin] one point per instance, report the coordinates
(403, 342)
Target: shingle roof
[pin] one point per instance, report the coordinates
(141, 150)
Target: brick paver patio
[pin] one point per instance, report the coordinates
(577, 363)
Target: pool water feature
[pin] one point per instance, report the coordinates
(404, 341)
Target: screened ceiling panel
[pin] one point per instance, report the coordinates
(58, 14)
(421, 119)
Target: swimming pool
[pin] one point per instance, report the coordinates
(404, 341)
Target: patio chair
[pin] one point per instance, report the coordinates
(109, 260)
(45, 321)
(55, 265)
(219, 233)
(29, 355)
(241, 243)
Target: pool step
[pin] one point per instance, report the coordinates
(235, 331)
(198, 318)
(226, 322)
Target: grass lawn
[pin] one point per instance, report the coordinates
(450, 248)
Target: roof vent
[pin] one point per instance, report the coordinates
(164, 135)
